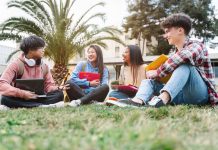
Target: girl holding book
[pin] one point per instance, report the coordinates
(132, 72)
(84, 90)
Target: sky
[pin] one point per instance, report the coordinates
(115, 11)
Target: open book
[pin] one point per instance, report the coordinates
(156, 64)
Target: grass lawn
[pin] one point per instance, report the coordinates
(96, 127)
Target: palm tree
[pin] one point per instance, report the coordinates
(53, 21)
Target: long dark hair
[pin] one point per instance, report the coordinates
(99, 60)
(136, 60)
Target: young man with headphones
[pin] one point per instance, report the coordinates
(29, 66)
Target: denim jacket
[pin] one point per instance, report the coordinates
(88, 68)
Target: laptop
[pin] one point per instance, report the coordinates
(33, 85)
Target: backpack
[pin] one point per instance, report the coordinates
(20, 72)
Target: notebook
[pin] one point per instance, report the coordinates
(130, 90)
(33, 85)
(156, 64)
(90, 76)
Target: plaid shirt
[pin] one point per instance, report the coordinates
(196, 54)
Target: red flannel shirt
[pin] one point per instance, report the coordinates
(196, 54)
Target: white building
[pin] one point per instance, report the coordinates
(114, 50)
(5, 51)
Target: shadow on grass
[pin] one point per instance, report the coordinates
(166, 144)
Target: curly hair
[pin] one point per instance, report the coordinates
(178, 20)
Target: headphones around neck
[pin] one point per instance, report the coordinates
(32, 62)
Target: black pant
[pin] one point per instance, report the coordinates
(75, 92)
(14, 102)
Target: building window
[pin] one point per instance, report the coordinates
(117, 51)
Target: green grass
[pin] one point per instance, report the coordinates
(100, 127)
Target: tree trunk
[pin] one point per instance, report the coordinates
(139, 39)
(143, 47)
(59, 72)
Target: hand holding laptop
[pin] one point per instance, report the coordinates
(30, 95)
(34, 88)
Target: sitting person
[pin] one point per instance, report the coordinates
(132, 72)
(28, 66)
(192, 80)
(83, 91)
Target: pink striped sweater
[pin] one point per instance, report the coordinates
(11, 71)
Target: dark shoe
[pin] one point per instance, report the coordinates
(130, 102)
(156, 102)
(123, 103)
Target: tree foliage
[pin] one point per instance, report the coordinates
(146, 15)
(53, 20)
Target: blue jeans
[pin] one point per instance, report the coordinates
(185, 86)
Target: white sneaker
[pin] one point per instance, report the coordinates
(3, 107)
(58, 104)
(75, 103)
(156, 102)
